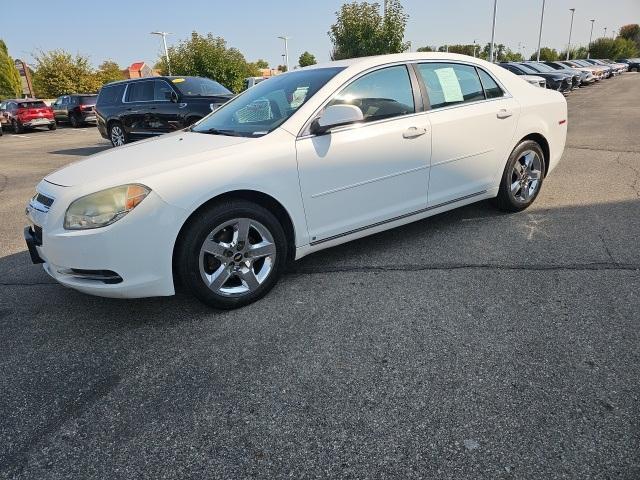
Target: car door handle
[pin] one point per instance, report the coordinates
(504, 113)
(414, 132)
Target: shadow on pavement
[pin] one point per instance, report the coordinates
(83, 151)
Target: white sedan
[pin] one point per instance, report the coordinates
(308, 160)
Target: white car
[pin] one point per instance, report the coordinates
(535, 80)
(308, 160)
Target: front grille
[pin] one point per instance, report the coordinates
(44, 200)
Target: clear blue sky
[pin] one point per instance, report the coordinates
(119, 29)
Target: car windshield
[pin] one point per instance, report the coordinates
(31, 105)
(527, 69)
(199, 87)
(265, 107)
(88, 100)
(541, 67)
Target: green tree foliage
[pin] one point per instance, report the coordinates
(208, 56)
(546, 55)
(307, 59)
(426, 48)
(360, 30)
(10, 83)
(59, 73)
(109, 71)
(577, 52)
(613, 49)
(466, 49)
(282, 68)
(260, 63)
(631, 32)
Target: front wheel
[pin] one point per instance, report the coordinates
(231, 254)
(117, 134)
(522, 177)
(53, 126)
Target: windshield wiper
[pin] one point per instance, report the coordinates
(215, 131)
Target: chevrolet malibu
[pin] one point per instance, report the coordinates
(308, 160)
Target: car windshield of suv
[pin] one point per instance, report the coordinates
(199, 87)
(265, 107)
(527, 69)
(541, 67)
(31, 105)
(88, 100)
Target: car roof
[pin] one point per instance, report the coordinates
(160, 77)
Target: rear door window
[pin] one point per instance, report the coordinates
(31, 105)
(140, 91)
(451, 84)
(491, 88)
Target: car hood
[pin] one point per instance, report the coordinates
(132, 162)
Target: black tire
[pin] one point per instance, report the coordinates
(513, 201)
(53, 126)
(187, 266)
(113, 135)
(191, 120)
(75, 122)
(17, 127)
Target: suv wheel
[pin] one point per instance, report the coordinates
(117, 134)
(522, 177)
(231, 254)
(75, 121)
(17, 127)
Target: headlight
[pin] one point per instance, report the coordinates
(104, 208)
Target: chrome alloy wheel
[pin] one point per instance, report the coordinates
(525, 176)
(237, 257)
(117, 136)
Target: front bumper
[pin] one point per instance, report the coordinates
(131, 258)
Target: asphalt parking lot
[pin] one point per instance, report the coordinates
(474, 344)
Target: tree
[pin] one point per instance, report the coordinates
(208, 56)
(59, 73)
(260, 63)
(307, 59)
(361, 31)
(109, 71)
(427, 49)
(458, 48)
(613, 49)
(546, 55)
(282, 68)
(631, 32)
(10, 82)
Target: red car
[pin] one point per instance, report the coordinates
(26, 113)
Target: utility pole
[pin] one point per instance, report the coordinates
(540, 33)
(573, 11)
(590, 37)
(605, 31)
(493, 31)
(164, 42)
(474, 49)
(286, 50)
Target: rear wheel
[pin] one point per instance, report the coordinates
(231, 254)
(17, 127)
(522, 177)
(75, 121)
(117, 134)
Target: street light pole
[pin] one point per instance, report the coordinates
(590, 37)
(166, 50)
(286, 50)
(540, 33)
(493, 30)
(474, 49)
(573, 11)
(605, 31)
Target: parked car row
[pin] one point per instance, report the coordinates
(567, 75)
(20, 114)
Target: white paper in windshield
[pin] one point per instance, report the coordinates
(450, 85)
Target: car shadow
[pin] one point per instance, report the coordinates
(83, 151)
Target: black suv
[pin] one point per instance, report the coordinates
(78, 110)
(132, 109)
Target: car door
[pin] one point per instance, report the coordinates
(473, 121)
(369, 173)
(136, 109)
(164, 114)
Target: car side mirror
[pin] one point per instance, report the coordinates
(174, 97)
(336, 116)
